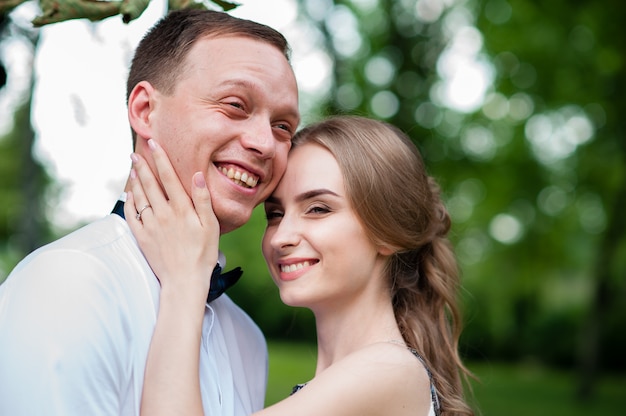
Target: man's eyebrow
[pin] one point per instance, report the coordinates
(239, 82)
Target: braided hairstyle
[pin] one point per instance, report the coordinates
(399, 205)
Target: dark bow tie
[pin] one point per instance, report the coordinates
(220, 282)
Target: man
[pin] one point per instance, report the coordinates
(76, 316)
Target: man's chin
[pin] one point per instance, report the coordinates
(233, 219)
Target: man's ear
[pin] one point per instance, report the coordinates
(140, 106)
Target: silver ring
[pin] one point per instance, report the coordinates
(138, 216)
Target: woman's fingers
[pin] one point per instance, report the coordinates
(179, 235)
(166, 173)
(202, 202)
(145, 184)
(161, 185)
(136, 203)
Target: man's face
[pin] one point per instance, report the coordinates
(232, 115)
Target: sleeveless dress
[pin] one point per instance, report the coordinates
(435, 407)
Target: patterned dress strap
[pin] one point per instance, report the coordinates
(433, 390)
(297, 388)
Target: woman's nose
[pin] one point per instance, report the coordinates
(286, 234)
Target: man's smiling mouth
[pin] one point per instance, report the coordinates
(240, 177)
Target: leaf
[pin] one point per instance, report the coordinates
(132, 9)
(226, 5)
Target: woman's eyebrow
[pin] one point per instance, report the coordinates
(303, 196)
(314, 193)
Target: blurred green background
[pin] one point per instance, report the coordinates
(516, 107)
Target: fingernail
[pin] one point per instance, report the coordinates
(133, 174)
(151, 144)
(134, 158)
(198, 180)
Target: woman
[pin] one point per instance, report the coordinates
(356, 232)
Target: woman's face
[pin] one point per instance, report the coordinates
(316, 249)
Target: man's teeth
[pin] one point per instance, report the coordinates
(240, 178)
(286, 268)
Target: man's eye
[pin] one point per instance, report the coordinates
(236, 105)
(284, 130)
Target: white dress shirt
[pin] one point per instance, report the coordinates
(76, 320)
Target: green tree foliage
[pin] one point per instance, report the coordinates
(23, 181)
(577, 53)
(23, 184)
(3, 71)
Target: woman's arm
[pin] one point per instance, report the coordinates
(171, 380)
(179, 237)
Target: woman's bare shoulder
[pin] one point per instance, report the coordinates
(386, 359)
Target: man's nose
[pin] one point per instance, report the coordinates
(259, 138)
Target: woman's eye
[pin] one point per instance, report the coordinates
(271, 215)
(318, 210)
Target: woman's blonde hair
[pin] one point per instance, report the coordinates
(400, 207)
